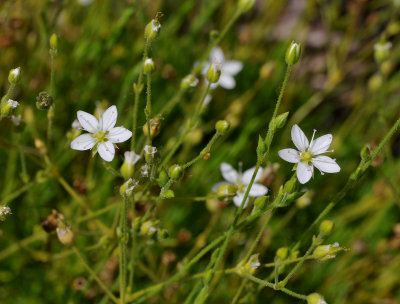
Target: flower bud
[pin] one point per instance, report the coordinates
(315, 298)
(144, 170)
(149, 228)
(152, 30)
(375, 82)
(222, 126)
(382, 50)
(167, 193)
(290, 185)
(326, 252)
(4, 211)
(293, 53)
(260, 202)
(326, 227)
(252, 264)
(189, 81)
(162, 177)
(280, 120)
(15, 75)
(246, 5)
(226, 191)
(155, 127)
(214, 71)
(149, 153)
(127, 168)
(282, 253)
(54, 42)
(149, 66)
(304, 200)
(8, 107)
(127, 187)
(44, 101)
(65, 234)
(175, 172)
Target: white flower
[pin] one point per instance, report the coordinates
(150, 150)
(4, 210)
(144, 170)
(130, 185)
(308, 155)
(12, 103)
(231, 176)
(102, 133)
(131, 157)
(228, 69)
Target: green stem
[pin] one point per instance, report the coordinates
(94, 275)
(147, 110)
(133, 249)
(123, 248)
(239, 292)
(137, 91)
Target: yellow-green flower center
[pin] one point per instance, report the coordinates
(100, 136)
(306, 157)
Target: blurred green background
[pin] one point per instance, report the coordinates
(338, 87)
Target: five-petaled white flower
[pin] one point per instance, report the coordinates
(229, 69)
(240, 180)
(308, 155)
(102, 133)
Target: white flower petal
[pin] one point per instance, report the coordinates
(106, 150)
(321, 144)
(299, 139)
(232, 67)
(304, 172)
(119, 134)
(226, 81)
(325, 164)
(238, 200)
(258, 190)
(216, 186)
(131, 157)
(109, 118)
(88, 121)
(247, 175)
(216, 54)
(83, 142)
(229, 174)
(290, 155)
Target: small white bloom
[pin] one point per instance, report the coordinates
(229, 68)
(130, 185)
(240, 180)
(4, 210)
(308, 155)
(131, 157)
(12, 103)
(150, 150)
(16, 120)
(102, 133)
(144, 170)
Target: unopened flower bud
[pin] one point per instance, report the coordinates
(375, 82)
(260, 202)
(246, 5)
(304, 200)
(127, 168)
(326, 252)
(149, 153)
(65, 234)
(152, 30)
(4, 211)
(326, 227)
(155, 127)
(15, 75)
(149, 228)
(162, 177)
(222, 126)
(252, 265)
(175, 172)
(189, 81)
(282, 253)
(293, 53)
(54, 42)
(226, 191)
(280, 120)
(149, 66)
(126, 188)
(214, 71)
(290, 185)
(167, 194)
(44, 101)
(315, 298)
(382, 50)
(8, 107)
